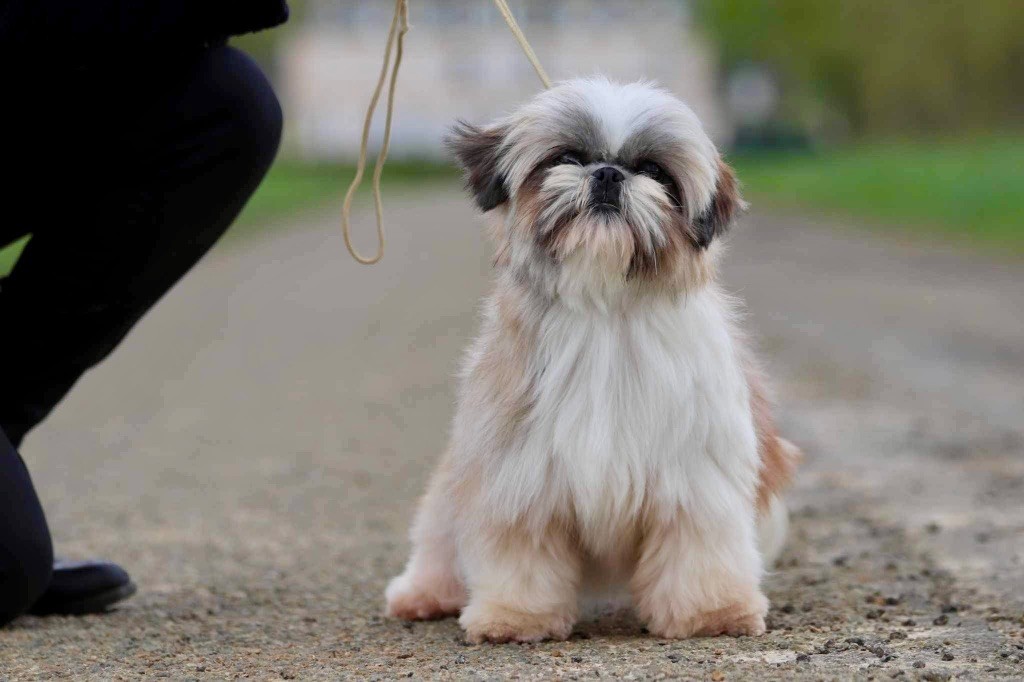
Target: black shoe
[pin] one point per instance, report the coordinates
(80, 587)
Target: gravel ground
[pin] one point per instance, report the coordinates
(254, 451)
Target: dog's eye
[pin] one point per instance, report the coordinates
(652, 170)
(568, 159)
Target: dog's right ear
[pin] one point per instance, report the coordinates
(477, 150)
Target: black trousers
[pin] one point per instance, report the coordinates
(124, 177)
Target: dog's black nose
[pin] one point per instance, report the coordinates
(607, 186)
(607, 175)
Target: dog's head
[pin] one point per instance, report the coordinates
(602, 179)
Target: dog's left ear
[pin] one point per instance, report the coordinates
(477, 150)
(725, 206)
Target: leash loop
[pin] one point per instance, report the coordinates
(396, 43)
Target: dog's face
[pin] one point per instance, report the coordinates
(618, 181)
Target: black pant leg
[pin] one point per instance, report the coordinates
(171, 162)
(26, 555)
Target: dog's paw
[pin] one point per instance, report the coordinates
(745, 618)
(409, 600)
(499, 625)
(742, 625)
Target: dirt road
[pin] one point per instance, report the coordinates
(253, 454)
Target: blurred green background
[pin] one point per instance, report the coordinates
(910, 112)
(907, 115)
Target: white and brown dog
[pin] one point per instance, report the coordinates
(611, 424)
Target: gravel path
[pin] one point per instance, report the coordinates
(254, 451)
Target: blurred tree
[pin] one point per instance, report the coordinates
(882, 66)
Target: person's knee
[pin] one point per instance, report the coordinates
(25, 571)
(251, 107)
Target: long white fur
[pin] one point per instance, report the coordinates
(636, 460)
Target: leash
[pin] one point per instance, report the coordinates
(395, 43)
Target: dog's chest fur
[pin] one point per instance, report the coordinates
(636, 412)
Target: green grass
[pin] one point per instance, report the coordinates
(292, 186)
(969, 191)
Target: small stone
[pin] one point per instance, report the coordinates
(788, 608)
(918, 664)
(717, 675)
(941, 620)
(803, 658)
(673, 657)
(404, 656)
(897, 634)
(576, 659)
(909, 622)
(947, 656)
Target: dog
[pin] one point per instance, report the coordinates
(612, 426)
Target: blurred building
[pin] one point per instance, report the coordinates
(461, 61)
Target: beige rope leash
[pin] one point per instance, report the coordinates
(506, 14)
(396, 41)
(399, 27)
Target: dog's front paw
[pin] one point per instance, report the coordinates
(743, 618)
(411, 600)
(733, 624)
(498, 624)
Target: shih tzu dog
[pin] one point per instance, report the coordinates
(611, 427)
